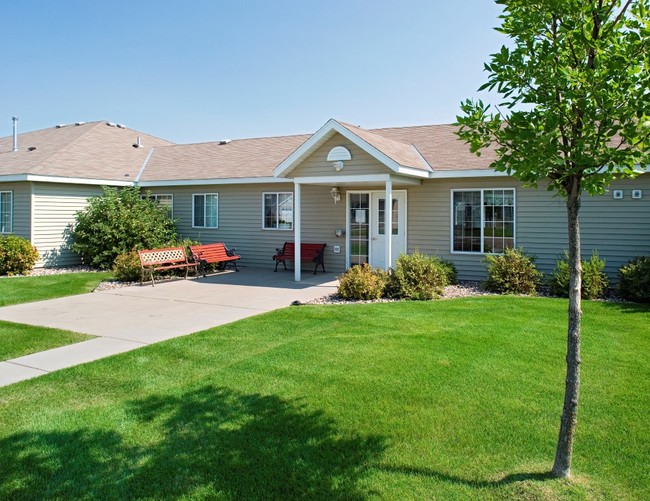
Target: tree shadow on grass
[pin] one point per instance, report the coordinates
(207, 442)
(452, 479)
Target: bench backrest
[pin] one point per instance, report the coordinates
(307, 251)
(169, 255)
(210, 252)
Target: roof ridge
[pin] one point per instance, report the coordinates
(240, 139)
(374, 131)
(413, 126)
(56, 154)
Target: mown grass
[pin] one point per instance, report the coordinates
(456, 399)
(14, 290)
(17, 340)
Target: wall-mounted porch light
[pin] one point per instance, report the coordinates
(336, 194)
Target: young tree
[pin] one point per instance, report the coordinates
(575, 115)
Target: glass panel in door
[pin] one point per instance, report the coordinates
(359, 228)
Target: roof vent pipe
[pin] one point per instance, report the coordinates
(15, 120)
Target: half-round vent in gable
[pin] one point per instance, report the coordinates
(339, 153)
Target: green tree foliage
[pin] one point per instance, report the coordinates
(119, 221)
(17, 255)
(574, 115)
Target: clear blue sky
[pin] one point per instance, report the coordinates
(199, 70)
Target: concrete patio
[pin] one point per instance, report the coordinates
(131, 317)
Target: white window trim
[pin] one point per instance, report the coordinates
(154, 197)
(451, 219)
(293, 210)
(11, 211)
(204, 206)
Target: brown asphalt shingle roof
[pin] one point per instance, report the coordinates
(92, 151)
(98, 151)
(237, 159)
(400, 150)
(440, 146)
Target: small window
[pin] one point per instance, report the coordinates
(205, 210)
(483, 221)
(6, 211)
(166, 201)
(278, 211)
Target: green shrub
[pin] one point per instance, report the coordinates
(126, 267)
(634, 284)
(512, 272)
(450, 270)
(17, 255)
(362, 283)
(117, 222)
(594, 279)
(419, 276)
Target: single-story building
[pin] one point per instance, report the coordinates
(328, 187)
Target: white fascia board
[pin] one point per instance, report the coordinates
(215, 181)
(410, 171)
(288, 163)
(361, 178)
(460, 174)
(63, 180)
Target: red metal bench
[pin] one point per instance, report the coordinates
(308, 252)
(216, 253)
(163, 259)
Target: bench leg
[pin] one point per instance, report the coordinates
(319, 263)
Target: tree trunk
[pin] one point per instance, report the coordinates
(564, 451)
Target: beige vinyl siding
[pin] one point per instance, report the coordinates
(618, 229)
(21, 208)
(55, 207)
(317, 164)
(321, 217)
(240, 221)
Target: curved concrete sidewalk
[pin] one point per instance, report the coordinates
(131, 317)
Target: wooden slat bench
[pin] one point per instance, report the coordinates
(308, 252)
(213, 254)
(163, 259)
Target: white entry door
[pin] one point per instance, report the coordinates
(378, 227)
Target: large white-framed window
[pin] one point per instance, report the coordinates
(277, 211)
(6, 211)
(482, 220)
(164, 200)
(205, 210)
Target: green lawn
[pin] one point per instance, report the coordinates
(26, 289)
(457, 399)
(17, 340)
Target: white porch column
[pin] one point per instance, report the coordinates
(296, 229)
(388, 220)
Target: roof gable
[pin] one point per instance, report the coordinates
(398, 156)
